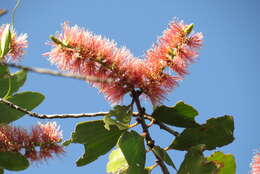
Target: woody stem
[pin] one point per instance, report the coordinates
(149, 141)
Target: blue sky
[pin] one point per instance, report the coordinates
(225, 79)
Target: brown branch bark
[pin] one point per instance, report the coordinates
(53, 116)
(161, 125)
(149, 141)
(50, 116)
(55, 73)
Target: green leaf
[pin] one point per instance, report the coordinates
(4, 80)
(17, 80)
(180, 115)
(217, 132)
(162, 154)
(13, 161)
(195, 163)
(132, 146)
(117, 162)
(5, 41)
(122, 116)
(109, 122)
(1, 171)
(27, 100)
(96, 139)
(226, 162)
(3, 70)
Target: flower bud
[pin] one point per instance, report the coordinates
(188, 29)
(5, 41)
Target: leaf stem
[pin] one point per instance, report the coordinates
(14, 10)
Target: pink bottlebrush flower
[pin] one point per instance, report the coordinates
(49, 132)
(79, 51)
(17, 45)
(176, 48)
(45, 136)
(255, 165)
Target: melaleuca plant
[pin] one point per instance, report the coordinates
(116, 72)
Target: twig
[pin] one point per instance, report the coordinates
(148, 138)
(166, 128)
(151, 123)
(14, 10)
(133, 125)
(53, 116)
(162, 125)
(55, 73)
(152, 166)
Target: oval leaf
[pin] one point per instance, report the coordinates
(162, 154)
(17, 81)
(122, 116)
(195, 163)
(226, 162)
(216, 132)
(4, 80)
(117, 162)
(180, 115)
(96, 139)
(132, 146)
(27, 100)
(13, 161)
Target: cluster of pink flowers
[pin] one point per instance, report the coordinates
(175, 48)
(39, 144)
(255, 165)
(17, 44)
(80, 51)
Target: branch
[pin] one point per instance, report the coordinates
(161, 125)
(148, 138)
(53, 116)
(166, 128)
(55, 73)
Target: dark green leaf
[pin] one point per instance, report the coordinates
(216, 132)
(96, 139)
(196, 163)
(17, 80)
(226, 162)
(1, 171)
(109, 122)
(3, 70)
(117, 162)
(4, 80)
(147, 171)
(27, 100)
(132, 146)
(13, 161)
(180, 115)
(122, 116)
(163, 155)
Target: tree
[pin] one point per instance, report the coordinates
(116, 72)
